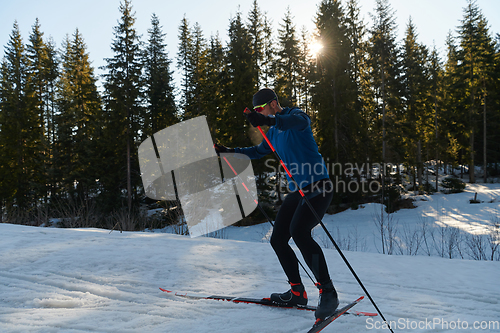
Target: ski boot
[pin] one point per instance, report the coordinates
(296, 296)
(328, 300)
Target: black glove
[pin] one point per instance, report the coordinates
(222, 149)
(258, 119)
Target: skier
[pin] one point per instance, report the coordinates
(291, 135)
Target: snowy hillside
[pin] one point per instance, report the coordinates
(87, 280)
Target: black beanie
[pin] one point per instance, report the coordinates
(264, 96)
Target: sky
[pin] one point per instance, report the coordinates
(95, 19)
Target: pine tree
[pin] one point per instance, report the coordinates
(267, 68)
(384, 69)
(475, 65)
(333, 94)
(192, 51)
(38, 87)
(240, 83)
(355, 31)
(19, 128)
(185, 65)
(161, 108)
(415, 124)
(199, 71)
(255, 31)
(494, 119)
(287, 64)
(63, 157)
(436, 81)
(304, 72)
(454, 121)
(213, 87)
(52, 76)
(240, 86)
(79, 106)
(125, 114)
(362, 145)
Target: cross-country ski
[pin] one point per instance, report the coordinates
(259, 301)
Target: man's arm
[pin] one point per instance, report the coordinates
(295, 120)
(255, 152)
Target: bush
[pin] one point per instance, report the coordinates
(392, 197)
(428, 188)
(453, 185)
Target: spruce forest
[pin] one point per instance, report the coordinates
(69, 138)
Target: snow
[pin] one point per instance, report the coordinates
(88, 280)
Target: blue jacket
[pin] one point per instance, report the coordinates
(293, 139)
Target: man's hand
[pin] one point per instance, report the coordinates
(258, 119)
(222, 149)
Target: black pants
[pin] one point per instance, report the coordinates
(295, 220)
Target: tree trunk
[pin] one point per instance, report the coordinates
(437, 144)
(336, 121)
(129, 171)
(383, 112)
(472, 174)
(419, 165)
(484, 137)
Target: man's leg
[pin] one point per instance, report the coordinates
(300, 228)
(281, 236)
(296, 295)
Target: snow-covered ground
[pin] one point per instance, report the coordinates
(87, 280)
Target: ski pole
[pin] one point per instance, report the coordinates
(322, 224)
(263, 211)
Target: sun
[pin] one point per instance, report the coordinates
(315, 48)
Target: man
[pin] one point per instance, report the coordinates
(291, 135)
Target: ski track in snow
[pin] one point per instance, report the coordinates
(87, 280)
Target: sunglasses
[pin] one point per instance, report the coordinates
(260, 108)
